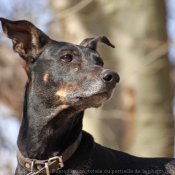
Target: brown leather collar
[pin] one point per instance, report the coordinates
(45, 167)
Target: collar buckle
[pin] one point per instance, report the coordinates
(31, 168)
(59, 159)
(47, 169)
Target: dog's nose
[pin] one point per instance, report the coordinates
(110, 77)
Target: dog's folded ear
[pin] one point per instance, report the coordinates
(92, 42)
(28, 40)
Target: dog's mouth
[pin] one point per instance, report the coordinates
(94, 100)
(91, 96)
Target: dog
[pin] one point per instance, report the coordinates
(64, 79)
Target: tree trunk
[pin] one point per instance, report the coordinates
(153, 129)
(136, 28)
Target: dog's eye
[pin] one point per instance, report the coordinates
(67, 58)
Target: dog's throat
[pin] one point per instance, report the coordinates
(41, 139)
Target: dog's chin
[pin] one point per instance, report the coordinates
(95, 100)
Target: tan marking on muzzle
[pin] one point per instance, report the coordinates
(62, 92)
(46, 77)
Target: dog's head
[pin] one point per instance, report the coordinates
(61, 73)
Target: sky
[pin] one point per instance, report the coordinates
(9, 127)
(38, 13)
(171, 28)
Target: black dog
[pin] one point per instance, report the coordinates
(63, 80)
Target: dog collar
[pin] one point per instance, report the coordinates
(45, 167)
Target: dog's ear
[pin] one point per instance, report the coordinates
(92, 42)
(28, 40)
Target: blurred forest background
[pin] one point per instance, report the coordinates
(139, 118)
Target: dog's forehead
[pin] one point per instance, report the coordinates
(60, 47)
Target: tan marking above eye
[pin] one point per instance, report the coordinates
(75, 52)
(76, 69)
(46, 77)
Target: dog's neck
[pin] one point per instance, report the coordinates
(42, 134)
